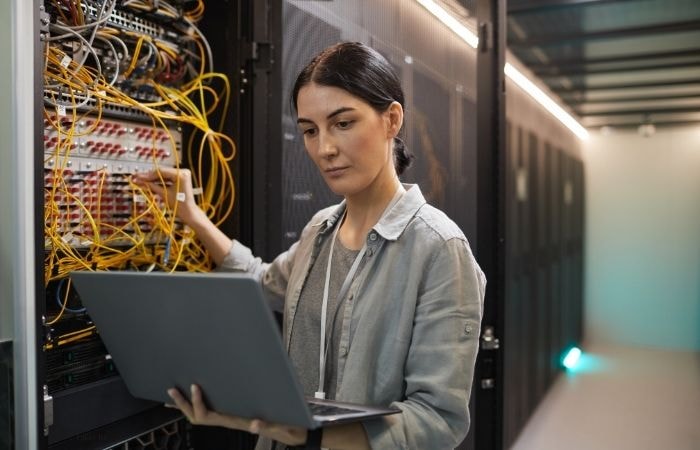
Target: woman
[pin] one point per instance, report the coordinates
(393, 277)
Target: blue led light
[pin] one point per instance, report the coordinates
(572, 357)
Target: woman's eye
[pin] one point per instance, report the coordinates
(344, 124)
(309, 132)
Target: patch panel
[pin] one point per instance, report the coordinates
(86, 178)
(108, 109)
(127, 21)
(112, 140)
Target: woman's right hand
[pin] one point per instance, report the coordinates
(174, 186)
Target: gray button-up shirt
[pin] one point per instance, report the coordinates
(410, 320)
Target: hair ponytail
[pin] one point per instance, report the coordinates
(402, 157)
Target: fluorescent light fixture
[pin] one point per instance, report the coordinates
(452, 23)
(514, 74)
(572, 358)
(544, 100)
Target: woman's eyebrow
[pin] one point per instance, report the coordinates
(339, 110)
(301, 120)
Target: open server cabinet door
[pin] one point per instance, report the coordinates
(84, 158)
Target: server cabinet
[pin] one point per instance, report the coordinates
(107, 104)
(544, 253)
(439, 77)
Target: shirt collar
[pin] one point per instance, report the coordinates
(392, 224)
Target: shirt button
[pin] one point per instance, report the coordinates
(343, 350)
(468, 330)
(370, 252)
(373, 237)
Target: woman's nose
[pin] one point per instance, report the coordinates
(327, 146)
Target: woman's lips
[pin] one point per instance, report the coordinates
(336, 171)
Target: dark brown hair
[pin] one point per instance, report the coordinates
(364, 73)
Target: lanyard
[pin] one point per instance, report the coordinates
(323, 350)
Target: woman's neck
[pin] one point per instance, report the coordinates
(363, 211)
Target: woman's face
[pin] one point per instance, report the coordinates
(350, 142)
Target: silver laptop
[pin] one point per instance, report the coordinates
(215, 330)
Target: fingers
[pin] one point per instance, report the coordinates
(156, 188)
(256, 426)
(166, 173)
(198, 414)
(182, 404)
(164, 181)
(282, 433)
(200, 410)
(169, 175)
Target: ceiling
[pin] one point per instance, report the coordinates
(618, 63)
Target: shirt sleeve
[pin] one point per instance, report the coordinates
(273, 276)
(439, 367)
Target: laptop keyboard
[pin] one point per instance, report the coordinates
(321, 409)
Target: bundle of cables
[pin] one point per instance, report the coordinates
(93, 62)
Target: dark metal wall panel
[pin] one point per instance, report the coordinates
(521, 283)
(465, 189)
(580, 251)
(431, 141)
(303, 190)
(439, 80)
(544, 241)
(509, 385)
(555, 280)
(439, 127)
(542, 263)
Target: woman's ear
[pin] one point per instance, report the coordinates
(394, 117)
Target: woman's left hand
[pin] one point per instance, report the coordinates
(198, 414)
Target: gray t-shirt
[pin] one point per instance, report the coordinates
(305, 338)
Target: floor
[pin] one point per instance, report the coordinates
(620, 398)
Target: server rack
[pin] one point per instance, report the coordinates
(543, 267)
(99, 412)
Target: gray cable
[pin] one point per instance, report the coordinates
(116, 59)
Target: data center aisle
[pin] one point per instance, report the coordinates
(620, 398)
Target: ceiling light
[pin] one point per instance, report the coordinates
(451, 22)
(606, 130)
(514, 74)
(546, 101)
(646, 130)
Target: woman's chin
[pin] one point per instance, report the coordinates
(337, 186)
(344, 187)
